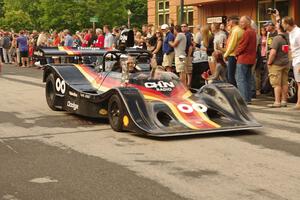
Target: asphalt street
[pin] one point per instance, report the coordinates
(54, 155)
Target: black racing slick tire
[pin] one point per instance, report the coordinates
(115, 113)
(51, 93)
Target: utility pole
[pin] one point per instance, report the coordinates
(129, 13)
(181, 11)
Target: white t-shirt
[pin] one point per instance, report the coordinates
(109, 40)
(180, 49)
(219, 40)
(198, 38)
(295, 45)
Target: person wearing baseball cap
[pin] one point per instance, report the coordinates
(269, 23)
(164, 26)
(168, 50)
(270, 27)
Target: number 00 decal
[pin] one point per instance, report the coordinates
(60, 86)
(185, 108)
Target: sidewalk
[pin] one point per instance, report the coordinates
(263, 100)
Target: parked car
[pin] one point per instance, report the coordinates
(293, 88)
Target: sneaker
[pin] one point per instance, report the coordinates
(274, 105)
(283, 104)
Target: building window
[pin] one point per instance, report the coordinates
(188, 16)
(163, 15)
(283, 7)
(263, 5)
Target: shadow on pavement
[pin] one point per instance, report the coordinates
(203, 136)
(49, 121)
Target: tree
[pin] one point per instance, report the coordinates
(16, 20)
(1, 8)
(138, 9)
(71, 14)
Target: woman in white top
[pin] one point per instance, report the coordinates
(219, 37)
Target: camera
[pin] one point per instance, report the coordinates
(271, 11)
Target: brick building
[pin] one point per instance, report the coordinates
(206, 11)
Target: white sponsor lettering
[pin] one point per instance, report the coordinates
(88, 48)
(72, 105)
(85, 96)
(185, 108)
(74, 94)
(160, 86)
(123, 38)
(60, 86)
(38, 53)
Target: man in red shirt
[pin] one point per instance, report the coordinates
(87, 38)
(246, 57)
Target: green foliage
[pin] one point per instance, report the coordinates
(16, 20)
(71, 14)
(139, 11)
(1, 8)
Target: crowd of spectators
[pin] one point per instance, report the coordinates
(18, 48)
(254, 61)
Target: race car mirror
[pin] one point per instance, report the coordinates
(126, 39)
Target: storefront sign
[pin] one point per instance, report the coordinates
(211, 20)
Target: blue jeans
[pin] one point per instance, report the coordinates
(231, 68)
(243, 78)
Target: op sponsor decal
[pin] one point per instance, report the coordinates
(73, 94)
(60, 86)
(72, 105)
(87, 96)
(160, 86)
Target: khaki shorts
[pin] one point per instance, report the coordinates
(168, 59)
(296, 72)
(189, 65)
(279, 75)
(180, 65)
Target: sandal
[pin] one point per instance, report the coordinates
(274, 105)
(283, 104)
(297, 107)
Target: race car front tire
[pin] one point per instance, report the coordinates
(115, 113)
(50, 92)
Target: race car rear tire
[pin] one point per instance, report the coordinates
(51, 93)
(115, 113)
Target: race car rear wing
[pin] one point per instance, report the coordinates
(69, 51)
(84, 51)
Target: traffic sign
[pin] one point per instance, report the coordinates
(94, 19)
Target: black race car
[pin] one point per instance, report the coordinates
(145, 101)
